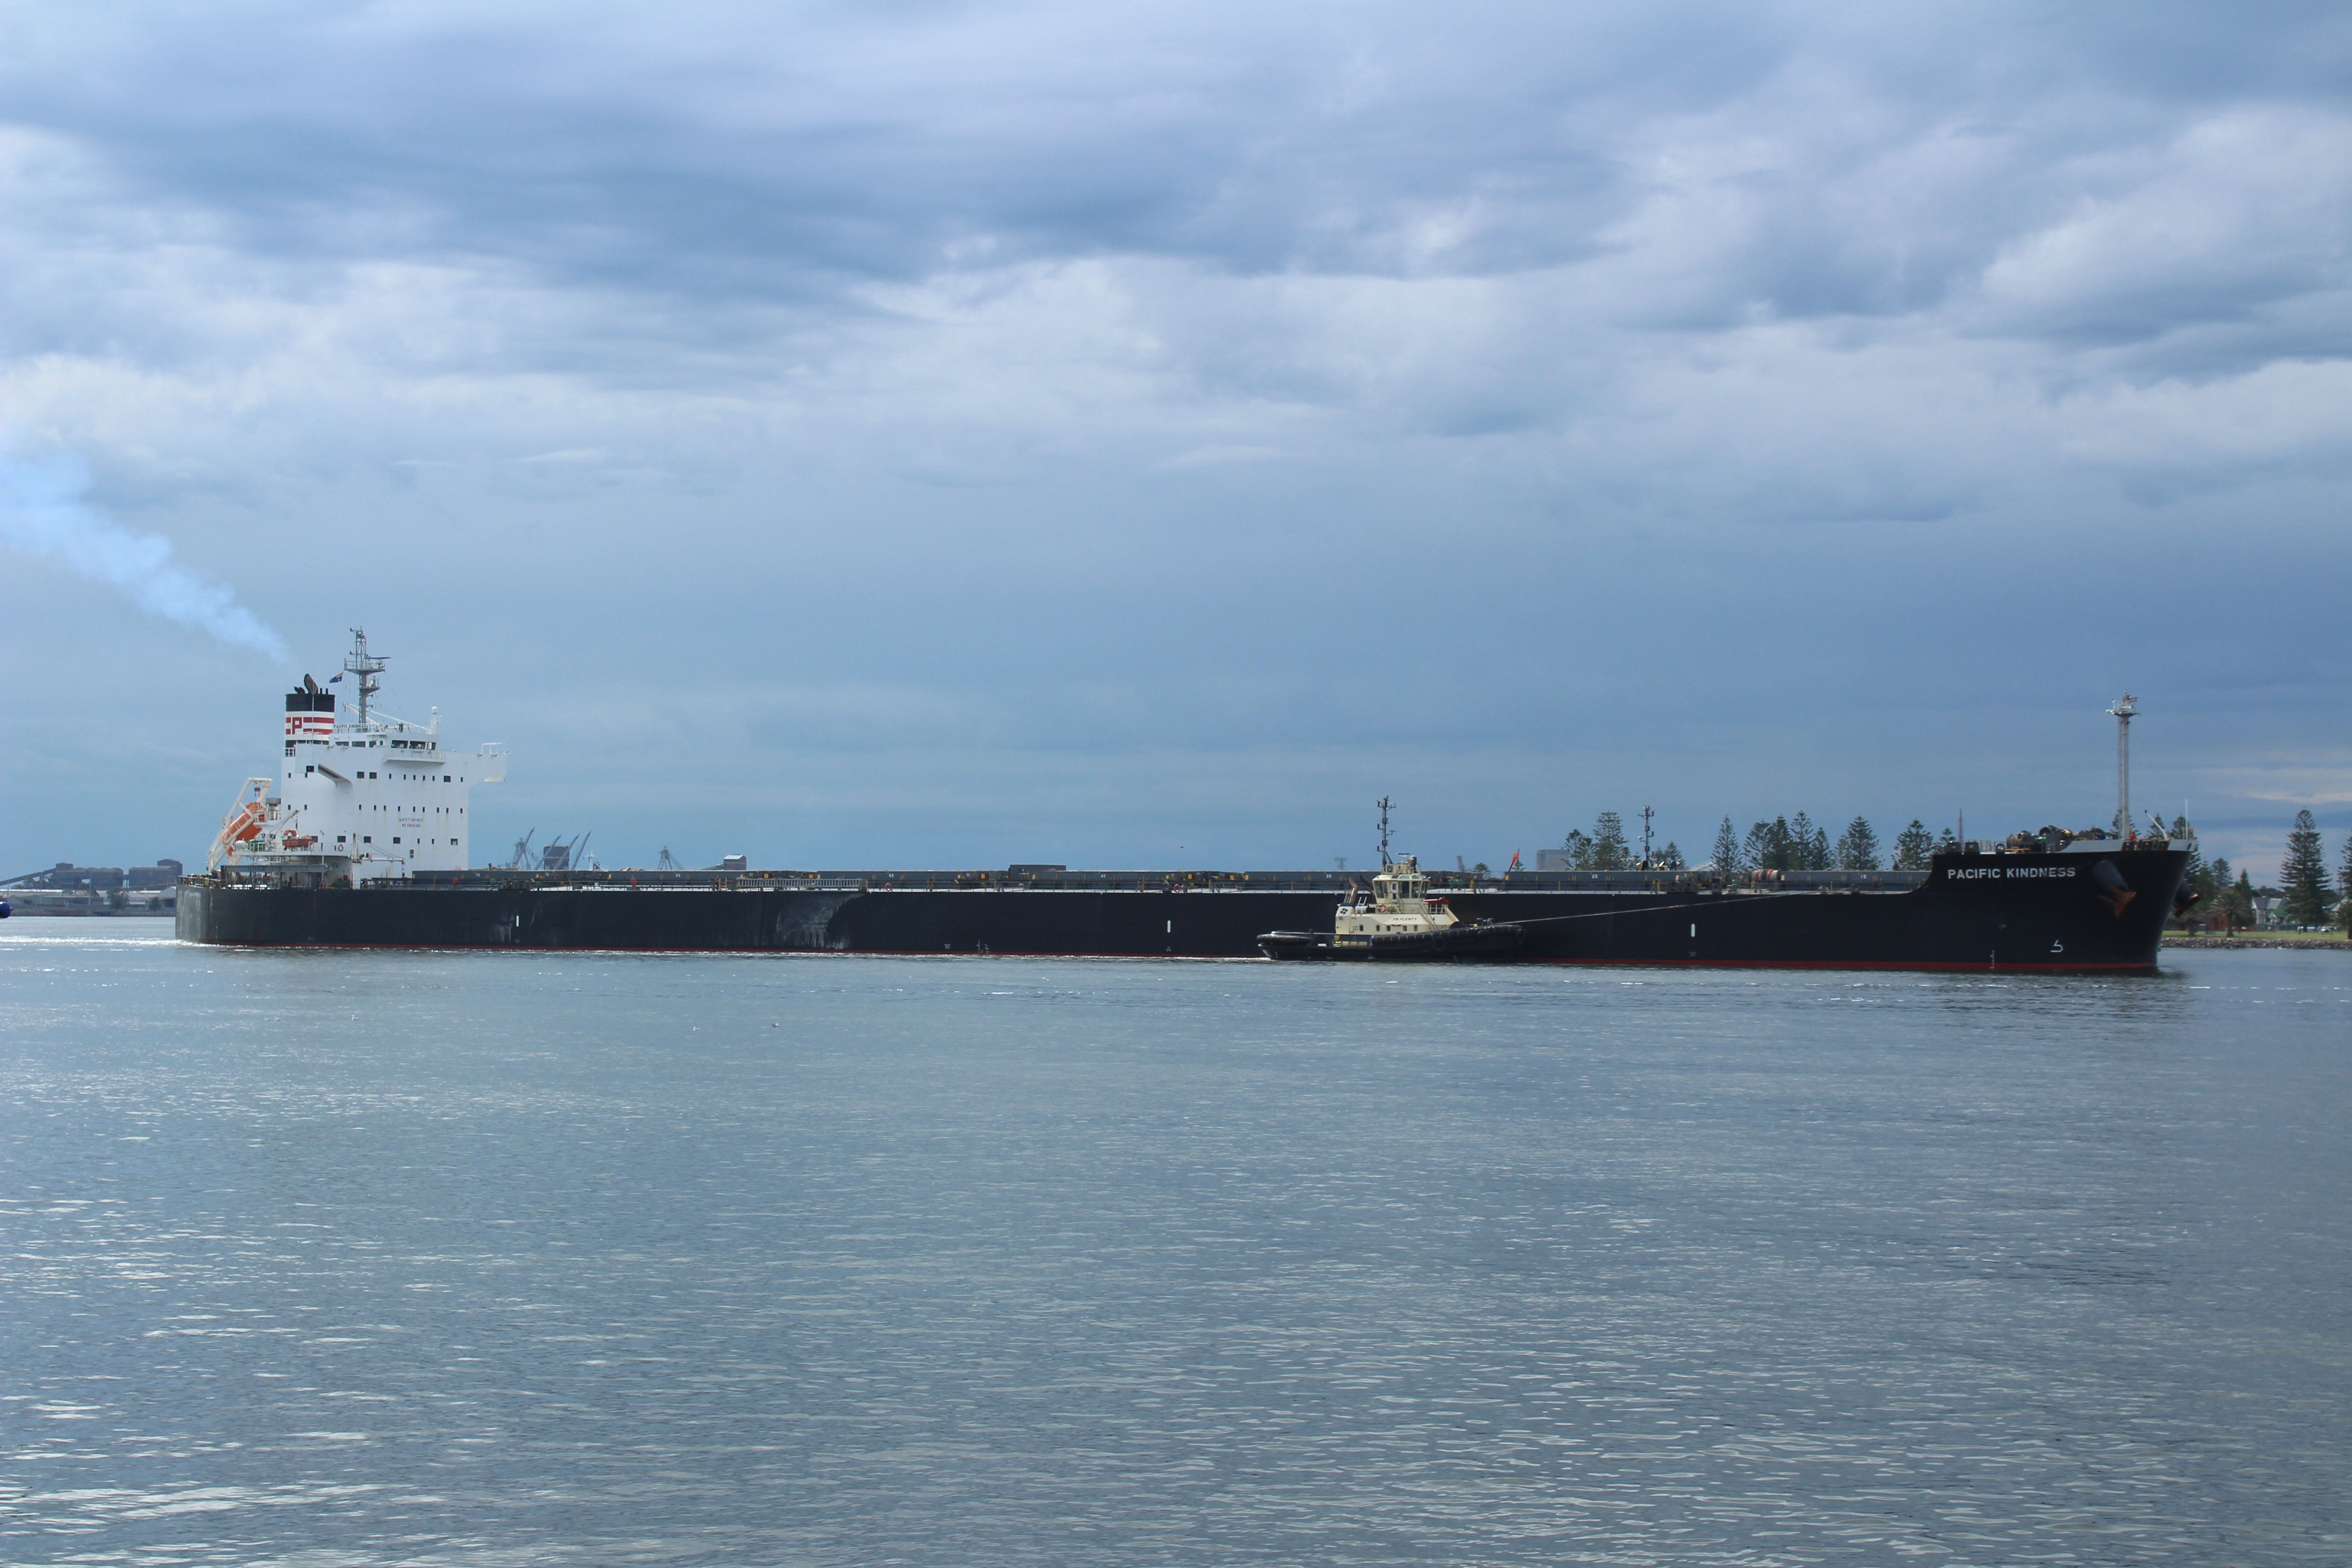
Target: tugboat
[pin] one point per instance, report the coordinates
(1397, 922)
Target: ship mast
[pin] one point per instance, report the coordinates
(365, 668)
(2123, 710)
(1383, 804)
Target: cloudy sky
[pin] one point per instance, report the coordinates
(915, 433)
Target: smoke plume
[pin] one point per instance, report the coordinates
(43, 514)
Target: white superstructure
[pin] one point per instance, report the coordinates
(363, 797)
(1400, 901)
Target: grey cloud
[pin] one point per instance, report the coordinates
(829, 143)
(1097, 371)
(1810, 162)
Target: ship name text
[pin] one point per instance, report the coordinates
(1991, 873)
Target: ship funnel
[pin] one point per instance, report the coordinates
(310, 711)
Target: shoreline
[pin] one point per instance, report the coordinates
(2320, 943)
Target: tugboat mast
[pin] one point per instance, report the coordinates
(365, 668)
(1383, 804)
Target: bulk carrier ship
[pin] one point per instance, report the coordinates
(363, 841)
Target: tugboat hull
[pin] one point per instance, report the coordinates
(1488, 942)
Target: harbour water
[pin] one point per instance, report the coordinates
(336, 1258)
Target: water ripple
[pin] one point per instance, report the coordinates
(483, 1259)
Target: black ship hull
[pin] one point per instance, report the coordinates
(1993, 912)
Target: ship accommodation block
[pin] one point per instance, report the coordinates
(362, 798)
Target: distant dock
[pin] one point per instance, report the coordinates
(67, 889)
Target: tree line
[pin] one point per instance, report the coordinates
(1784, 844)
(1797, 844)
(2313, 899)
(2226, 895)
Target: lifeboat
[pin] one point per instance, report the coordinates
(243, 825)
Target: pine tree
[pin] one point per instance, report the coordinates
(1857, 846)
(2303, 873)
(1670, 858)
(2241, 899)
(1609, 852)
(1728, 862)
(1800, 843)
(1579, 849)
(1818, 857)
(1769, 845)
(2213, 891)
(1947, 841)
(2211, 878)
(2344, 885)
(1912, 846)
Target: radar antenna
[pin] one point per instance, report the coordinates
(2123, 710)
(1383, 804)
(366, 668)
